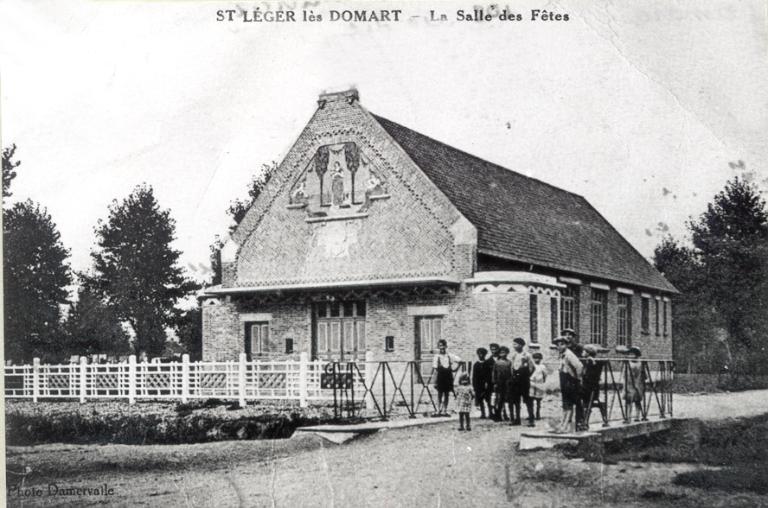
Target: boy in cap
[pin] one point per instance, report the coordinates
(481, 381)
(520, 384)
(570, 372)
(500, 377)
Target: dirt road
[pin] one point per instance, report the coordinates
(423, 466)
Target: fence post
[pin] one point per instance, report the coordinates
(370, 371)
(35, 378)
(184, 377)
(132, 379)
(83, 377)
(303, 378)
(241, 381)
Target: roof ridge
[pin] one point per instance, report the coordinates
(451, 147)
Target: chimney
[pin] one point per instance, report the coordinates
(349, 96)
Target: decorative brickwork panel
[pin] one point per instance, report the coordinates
(397, 224)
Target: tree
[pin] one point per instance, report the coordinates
(189, 329)
(237, 210)
(723, 279)
(135, 268)
(36, 274)
(239, 207)
(92, 327)
(731, 238)
(9, 169)
(695, 318)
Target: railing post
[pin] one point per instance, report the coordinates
(132, 379)
(35, 379)
(303, 378)
(184, 377)
(83, 378)
(370, 371)
(241, 381)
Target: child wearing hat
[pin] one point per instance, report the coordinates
(570, 371)
(464, 398)
(538, 379)
(635, 385)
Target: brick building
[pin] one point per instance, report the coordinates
(373, 237)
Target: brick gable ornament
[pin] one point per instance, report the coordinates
(338, 182)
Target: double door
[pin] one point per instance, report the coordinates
(339, 331)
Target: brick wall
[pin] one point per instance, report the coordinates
(410, 234)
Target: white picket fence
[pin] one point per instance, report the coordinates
(242, 380)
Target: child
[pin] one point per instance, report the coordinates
(501, 377)
(464, 397)
(481, 381)
(590, 387)
(635, 382)
(520, 385)
(538, 379)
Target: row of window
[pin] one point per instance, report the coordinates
(341, 325)
(598, 315)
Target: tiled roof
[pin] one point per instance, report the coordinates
(524, 219)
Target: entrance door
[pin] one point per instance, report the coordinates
(340, 330)
(428, 330)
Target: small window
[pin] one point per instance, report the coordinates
(288, 346)
(666, 303)
(322, 309)
(645, 318)
(360, 308)
(389, 343)
(533, 304)
(656, 308)
(335, 309)
(349, 309)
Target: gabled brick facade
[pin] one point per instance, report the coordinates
(352, 247)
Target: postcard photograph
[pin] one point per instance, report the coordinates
(387, 254)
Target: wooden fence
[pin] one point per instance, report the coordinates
(298, 380)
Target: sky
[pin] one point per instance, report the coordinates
(639, 108)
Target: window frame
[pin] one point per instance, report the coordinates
(645, 315)
(533, 318)
(624, 317)
(598, 315)
(569, 307)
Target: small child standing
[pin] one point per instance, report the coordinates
(538, 379)
(465, 396)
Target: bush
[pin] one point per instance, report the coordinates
(152, 423)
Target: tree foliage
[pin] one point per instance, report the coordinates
(135, 268)
(237, 210)
(723, 279)
(36, 274)
(239, 207)
(92, 327)
(189, 329)
(9, 169)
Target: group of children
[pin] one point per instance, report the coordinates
(500, 382)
